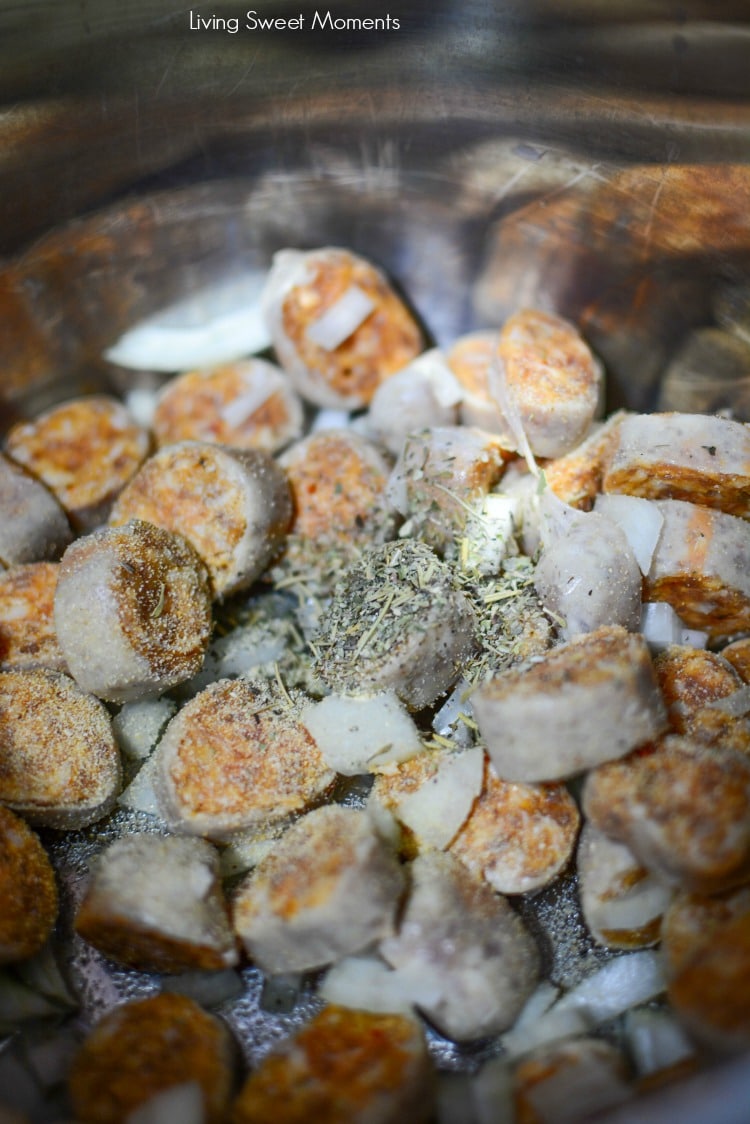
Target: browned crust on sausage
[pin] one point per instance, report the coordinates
(691, 920)
(703, 602)
(689, 679)
(240, 754)
(518, 836)
(336, 483)
(142, 1048)
(711, 993)
(28, 892)
(336, 1069)
(119, 938)
(27, 628)
(683, 809)
(85, 451)
(59, 763)
(738, 654)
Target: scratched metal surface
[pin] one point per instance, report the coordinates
(493, 155)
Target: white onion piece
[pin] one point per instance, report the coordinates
(140, 795)
(216, 324)
(453, 1100)
(339, 321)
(49, 1056)
(693, 638)
(42, 973)
(357, 734)
(236, 412)
(553, 1025)
(181, 1104)
(366, 984)
(625, 982)
(439, 807)
(138, 725)
(328, 418)
(497, 384)
(140, 402)
(490, 535)
(655, 1039)
(556, 518)
(639, 519)
(660, 625)
(737, 704)
(448, 721)
(538, 1003)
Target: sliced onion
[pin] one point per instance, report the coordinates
(660, 625)
(497, 384)
(575, 1092)
(366, 984)
(182, 1104)
(236, 412)
(356, 734)
(448, 720)
(639, 519)
(20, 1003)
(340, 320)
(538, 1003)
(140, 795)
(440, 806)
(328, 418)
(216, 324)
(655, 1040)
(623, 983)
(282, 993)
(42, 974)
(552, 1026)
(737, 704)
(141, 403)
(49, 1055)
(694, 638)
(138, 725)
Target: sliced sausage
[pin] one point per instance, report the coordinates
(27, 626)
(33, 527)
(683, 810)
(146, 1047)
(245, 405)
(232, 505)
(698, 458)
(551, 378)
(155, 903)
(701, 566)
(337, 326)
(343, 1067)
(597, 692)
(132, 611)
(396, 621)
(330, 887)
(236, 757)
(85, 451)
(59, 762)
(28, 892)
(467, 947)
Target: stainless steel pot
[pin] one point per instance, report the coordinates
(489, 155)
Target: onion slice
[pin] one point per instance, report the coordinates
(217, 324)
(639, 519)
(339, 321)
